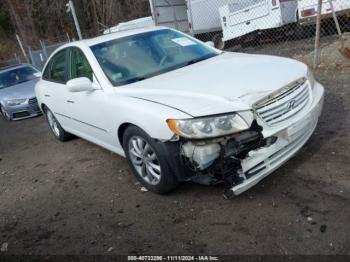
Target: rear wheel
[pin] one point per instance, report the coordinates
(56, 128)
(148, 161)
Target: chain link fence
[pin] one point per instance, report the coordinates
(276, 27)
(9, 62)
(39, 56)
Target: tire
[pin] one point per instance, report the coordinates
(56, 127)
(5, 115)
(148, 161)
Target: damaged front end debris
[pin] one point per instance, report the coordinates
(218, 160)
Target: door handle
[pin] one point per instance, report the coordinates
(70, 101)
(46, 95)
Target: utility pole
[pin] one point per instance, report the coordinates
(318, 33)
(71, 9)
(21, 46)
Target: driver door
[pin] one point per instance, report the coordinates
(87, 108)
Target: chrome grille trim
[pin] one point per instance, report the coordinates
(285, 103)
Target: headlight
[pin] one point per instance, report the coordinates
(208, 127)
(15, 102)
(311, 78)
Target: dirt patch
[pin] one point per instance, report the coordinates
(76, 198)
(330, 57)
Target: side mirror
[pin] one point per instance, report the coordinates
(210, 43)
(81, 84)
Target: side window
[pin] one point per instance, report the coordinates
(46, 74)
(58, 65)
(79, 65)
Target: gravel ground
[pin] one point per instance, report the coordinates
(77, 198)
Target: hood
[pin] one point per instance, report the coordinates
(20, 91)
(226, 83)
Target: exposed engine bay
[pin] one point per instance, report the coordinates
(219, 160)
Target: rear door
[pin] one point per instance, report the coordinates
(170, 13)
(55, 91)
(248, 10)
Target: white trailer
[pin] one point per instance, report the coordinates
(197, 17)
(240, 18)
(308, 9)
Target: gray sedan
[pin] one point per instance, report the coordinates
(17, 96)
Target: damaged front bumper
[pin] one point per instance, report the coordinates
(245, 159)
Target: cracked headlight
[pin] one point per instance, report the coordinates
(15, 102)
(208, 127)
(311, 78)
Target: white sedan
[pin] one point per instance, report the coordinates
(180, 110)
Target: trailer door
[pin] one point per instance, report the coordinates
(248, 10)
(170, 13)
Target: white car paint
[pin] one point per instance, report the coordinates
(186, 85)
(229, 82)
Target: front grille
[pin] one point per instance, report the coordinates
(21, 114)
(285, 103)
(33, 104)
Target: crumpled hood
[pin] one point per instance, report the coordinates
(226, 83)
(20, 91)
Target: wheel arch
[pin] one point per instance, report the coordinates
(43, 107)
(125, 125)
(121, 131)
(156, 132)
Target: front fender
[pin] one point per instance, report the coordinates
(150, 117)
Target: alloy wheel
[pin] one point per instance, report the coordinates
(144, 160)
(53, 123)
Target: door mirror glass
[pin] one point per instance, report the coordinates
(81, 84)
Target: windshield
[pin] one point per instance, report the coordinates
(17, 76)
(135, 58)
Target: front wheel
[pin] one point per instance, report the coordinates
(148, 161)
(55, 127)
